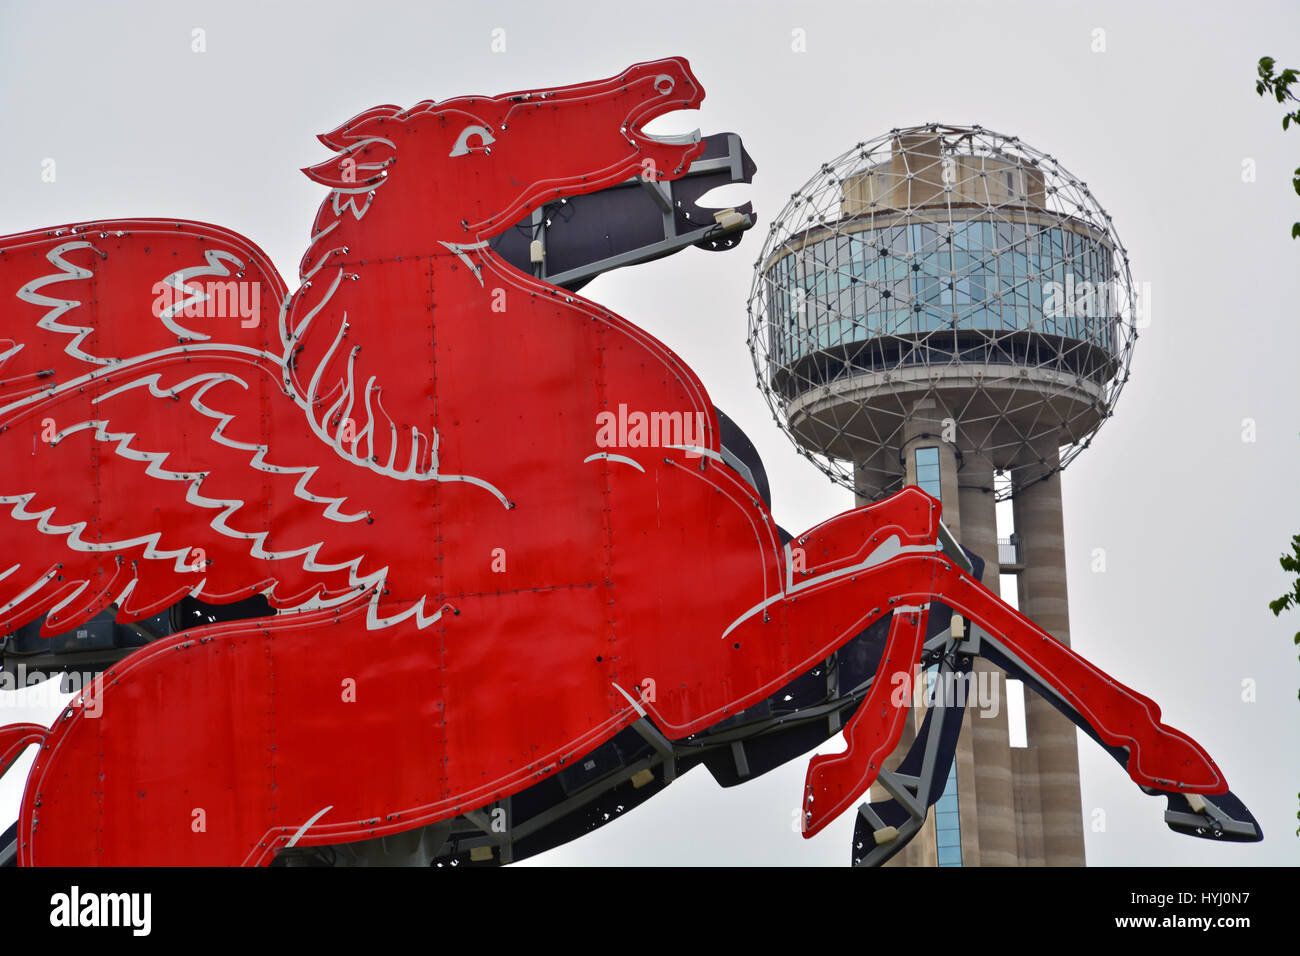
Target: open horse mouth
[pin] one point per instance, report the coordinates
(638, 135)
(678, 90)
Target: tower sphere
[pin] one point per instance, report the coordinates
(944, 282)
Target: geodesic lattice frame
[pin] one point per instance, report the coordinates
(821, 300)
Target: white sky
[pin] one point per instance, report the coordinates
(1191, 517)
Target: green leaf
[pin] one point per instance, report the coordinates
(1295, 230)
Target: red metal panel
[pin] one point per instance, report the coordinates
(510, 501)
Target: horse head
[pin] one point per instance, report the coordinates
(474, 165)
(432, 180)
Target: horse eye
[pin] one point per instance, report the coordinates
(462, 146)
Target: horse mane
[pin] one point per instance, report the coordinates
(354, 174)
(358, 170)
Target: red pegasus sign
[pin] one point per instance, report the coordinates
(423, 458)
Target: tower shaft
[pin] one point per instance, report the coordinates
(1047, 778)
(1015, 806)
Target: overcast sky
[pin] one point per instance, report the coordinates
(1160, 124)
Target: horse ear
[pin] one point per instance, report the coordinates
(360, 126)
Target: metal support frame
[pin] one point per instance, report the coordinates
(668, 196)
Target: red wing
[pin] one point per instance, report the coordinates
(74, 299)
(190, 473)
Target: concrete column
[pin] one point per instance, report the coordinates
(1043, 599)
(878, 468)
(924, 429)
(984, 771)
(1028, 807)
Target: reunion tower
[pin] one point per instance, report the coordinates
(948, 307)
